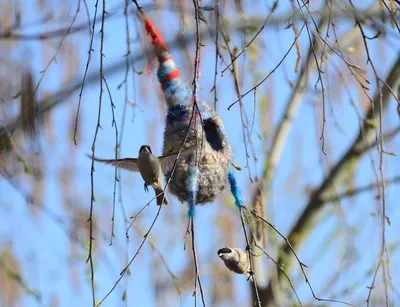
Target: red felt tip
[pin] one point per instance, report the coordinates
(157, 40)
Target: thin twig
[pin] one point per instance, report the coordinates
(301, 227)
(214, 88)
(392, 15)
(274, 6)
(235, 72)
(298, 48)
(301, 264)
(86, 70)
(385, 270)
(127, 69)
(280, 268)
(372, 286)
(354, 191)
(249, 252)
(151, 226)
(195, 84)
(134, 217)
(319, 70)
(92, 199)
(54, 58)
(196, 265)
(167, 267)
(370, 14)
(113, 124)
(165, 188)
(88, 16)
(270, 73)
(132, 259)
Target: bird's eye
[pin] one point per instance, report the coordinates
(225, 250)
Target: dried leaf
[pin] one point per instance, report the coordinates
(371, 122)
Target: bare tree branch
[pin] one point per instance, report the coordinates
(371, 14)
(354, 191)
(273, 156)
(362, 143)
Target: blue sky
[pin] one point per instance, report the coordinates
(43, 246)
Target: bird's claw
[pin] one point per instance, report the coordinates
(146, 187)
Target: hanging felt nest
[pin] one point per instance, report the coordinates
(199, 177)
(213, 156)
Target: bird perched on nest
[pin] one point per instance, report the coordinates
(235, 260)
(204, 175)
(150, 167)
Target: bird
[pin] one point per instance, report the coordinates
(151, 171)
(150, 167)
(235, 259)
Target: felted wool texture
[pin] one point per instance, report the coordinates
(176, 91)
(200, 177)
(212, 165)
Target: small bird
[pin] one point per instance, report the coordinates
(150, 167)
(235, 260)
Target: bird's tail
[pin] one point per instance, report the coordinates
(161, 196)
(176, 91)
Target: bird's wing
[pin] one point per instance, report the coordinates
(167, 161)
(125, 163)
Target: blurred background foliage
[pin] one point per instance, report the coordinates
(314, 126)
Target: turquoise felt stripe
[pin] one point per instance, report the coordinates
(176, 90)
(192, 187)
(235, 189)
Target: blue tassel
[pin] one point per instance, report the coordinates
(191, 211)
(234, 189)
(192, 188)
